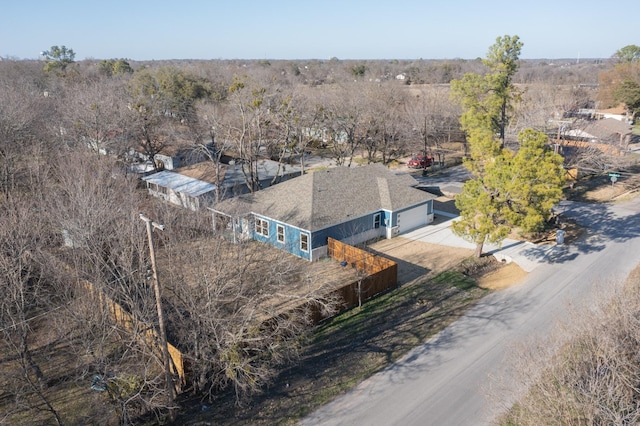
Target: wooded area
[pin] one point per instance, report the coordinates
(69, 134)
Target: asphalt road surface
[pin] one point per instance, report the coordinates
(461, 376)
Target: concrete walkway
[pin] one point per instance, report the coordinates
(525, 254)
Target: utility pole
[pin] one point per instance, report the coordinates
(425, 135)
(163, 332)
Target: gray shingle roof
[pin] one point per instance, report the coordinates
(317, 200)
(608, 129)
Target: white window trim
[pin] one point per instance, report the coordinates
(302, 234)
(262, 225)
(279, 234)
(377, 216)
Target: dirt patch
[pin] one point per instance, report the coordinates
(607, 193)
(417, 259)
(491, 274)
(503, 277)
(599, 188)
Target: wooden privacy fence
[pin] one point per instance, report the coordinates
(144, 332)
(373, 274)
(605, 148)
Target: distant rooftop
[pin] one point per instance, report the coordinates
(180, 183)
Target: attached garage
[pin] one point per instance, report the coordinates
(410, 219)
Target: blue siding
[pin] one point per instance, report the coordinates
(345, 230)
(291, 243)
(318, 239)
(387, 220)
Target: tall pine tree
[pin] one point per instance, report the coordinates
(509, 189)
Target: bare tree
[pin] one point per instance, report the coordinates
(246, 127)
(96, 207)
(434, 121)
(96, 116)
(385, 124)
(585, 372)
(235, 314)
(24, 112)
(26, 294)
(284, 141)
(343, 115)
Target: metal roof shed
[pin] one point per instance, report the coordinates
(180, 183)
(179, 189)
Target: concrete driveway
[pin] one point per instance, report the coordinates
(525, 254)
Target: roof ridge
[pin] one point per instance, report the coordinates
(384, 192)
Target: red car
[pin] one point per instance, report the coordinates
(420, 162)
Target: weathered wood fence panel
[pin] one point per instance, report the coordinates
(148, 335)
(376, 275)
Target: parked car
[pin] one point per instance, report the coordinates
(420, 162)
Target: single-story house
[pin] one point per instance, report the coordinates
(349, 204)
(202, 184)
(617, 113)
(325, 135)
(606, 130)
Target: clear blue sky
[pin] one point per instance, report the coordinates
(314, 29)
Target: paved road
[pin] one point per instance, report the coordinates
(447, 181)
(461, 376)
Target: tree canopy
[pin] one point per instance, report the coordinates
(173, 91)
(509, 189)
(627, 54)
(58, 58)
(621, 84)
(111, 67)
(358, 70)
(535, 182)
(628, 92)
(488, 98)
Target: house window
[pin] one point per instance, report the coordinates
(262, 227)
(280, 231)
(159, 189)
(304, 242)
(376, 220)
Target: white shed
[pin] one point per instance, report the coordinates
(179, 189)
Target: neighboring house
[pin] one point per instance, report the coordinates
(349, 204)
(618, 113)
(172, 154)
(200, 185)
(142, 169)
(269, 172)
(606, 130)
(325, 135)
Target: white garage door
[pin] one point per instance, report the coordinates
(412, 219)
